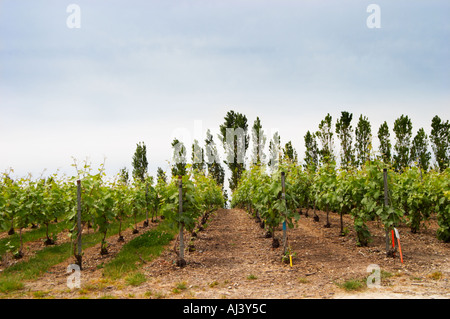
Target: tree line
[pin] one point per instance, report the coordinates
(407, 151)
(356, 148)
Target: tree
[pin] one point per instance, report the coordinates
(312, 151)
(440, 142)
(403, 133)
(140, 162)
(259, 141)
(419, 150)
(159, 190)
(179, 158)
(385, 143)
(215, 170)
(198, 157)
(161, 177)
(124, 176)
(235, 142)
(289, 152)
(344, 133)
(325, 136)
(363, 143)
(275, 151)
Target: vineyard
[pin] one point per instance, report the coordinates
(371, 193)
(85, 211)
(293, 223)
(176, 153)
(294, 230)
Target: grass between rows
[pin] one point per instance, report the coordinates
(139, 250)
(12, 278)
(32, 235)
(128, 262)
(359, 284)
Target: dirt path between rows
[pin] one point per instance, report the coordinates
(233, 259)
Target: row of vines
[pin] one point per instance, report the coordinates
(410, 197)
(100, 202)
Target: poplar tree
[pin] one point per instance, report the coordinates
(161, 177)
(419, 150)
(325, 136)
(259, 141)
(140, 162)
(198, 157)
(440, 142)
(215, 169)
(363, 140)
(344, 132)
(403, 133)
(235, 145)
(289, 152)
(385, 143)
(311, 152)
(275, 151)
(179, 158)
(124, 176)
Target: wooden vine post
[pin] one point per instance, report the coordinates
(389, 252)
(283, 196)
(79, 230)
(146, 206)
(420, 170)
(181, 262)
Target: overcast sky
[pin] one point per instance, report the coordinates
(149, 70)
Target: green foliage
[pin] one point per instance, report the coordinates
(161, 178)
(385, 143)
(403, 133)
(289, 152)
(344, 132)
(11, 195)
(412, 196)
(419, 150)
(191, 209)
(363, 140)
(24, 202)
(140, 162)
(359, 193)
(124, 176)
(198, 157)
(440, 142)
(312, 152)
(325, 136)
(325, 184)
(440, 198)
(275, 151)
(263, 195)
(215, 169)
(97, 202)
(259, 141)
(179, 158)
(235, 141)
(199, 194)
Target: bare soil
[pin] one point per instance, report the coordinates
(233, 259)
